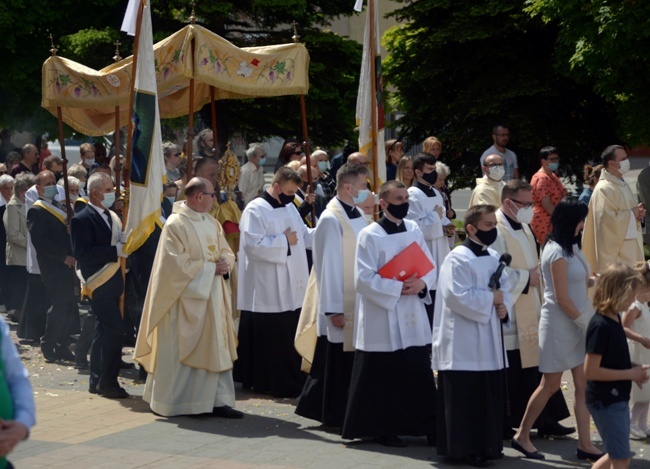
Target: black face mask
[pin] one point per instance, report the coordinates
(58, 175)
(286, 199)
(487, 237)
(431, 177)
(398, 211)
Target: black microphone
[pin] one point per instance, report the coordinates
(504, 261)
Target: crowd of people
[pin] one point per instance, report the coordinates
(399, 326)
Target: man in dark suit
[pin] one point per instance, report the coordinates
(96, 241)
(47, 225)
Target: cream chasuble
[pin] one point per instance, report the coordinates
(486, 192)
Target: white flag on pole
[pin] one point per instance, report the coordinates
(365, 101)
(147, 162)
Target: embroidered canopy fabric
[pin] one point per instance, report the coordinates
(88, 97)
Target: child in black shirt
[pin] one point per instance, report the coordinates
(608, 367)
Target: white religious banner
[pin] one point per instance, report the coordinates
(365, 102)
(147, 165)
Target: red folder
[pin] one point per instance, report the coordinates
(411, 260)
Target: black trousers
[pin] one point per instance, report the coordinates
(63, 316)
(34, 309)
(106, 349)
(18, 284)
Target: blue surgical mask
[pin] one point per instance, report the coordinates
(49, 192)
(109, 200)
(361, 196)
(323, 166)
(171, 199)
(262, 161)
(553, 166)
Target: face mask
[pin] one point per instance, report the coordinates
(625, 166)
(369, 218)
(109, 200)
(49, 192)
(398, 211)
(323, 166)
(73, 198)
(171, 199)
(286, 199)
(525, 215)
(497, 172)
(89, 163)
(553, 166)
(262, 161)
(431, 177)
(487, 237)
(361, 196)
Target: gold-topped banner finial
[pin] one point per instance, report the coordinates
(192, 18)
(117, 57)
(295, 37)
(53, 49)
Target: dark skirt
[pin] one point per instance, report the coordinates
(521, 385)
(268, 362)
(470, 413)
(391, 393)
(15, 297)
(310, 402)
(35, 306)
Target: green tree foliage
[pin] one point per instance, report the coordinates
(460, 67)
(604, 44)
(85, 32)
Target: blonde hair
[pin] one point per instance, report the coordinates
(400, 171)
(616, 285)
(429, 143)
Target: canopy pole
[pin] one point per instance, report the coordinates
(116, 136)
(190, 125)
(213, 110)
(68, 206)
(373, 95)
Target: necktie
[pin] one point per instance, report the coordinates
(110, 219)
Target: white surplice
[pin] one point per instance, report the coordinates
(466, 328)
(387, 320)
(272, 277)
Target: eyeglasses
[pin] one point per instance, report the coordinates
(523, 204)
(494, 165)
(211, 194)
(502, 135)
(297, 153)
(176, 154)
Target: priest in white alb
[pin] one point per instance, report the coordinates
(325, 394)
(392, 391)
(613, 230)
(186, 340)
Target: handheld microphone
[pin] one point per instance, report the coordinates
(504, 261)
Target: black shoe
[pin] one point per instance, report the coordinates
(113, 393)
(591, 457)
(527, 454)
(64, 353)
(392, 441)
(431, 439)
(227, 412)
(508, 433)
(93, 390)
(48, 353)
(554, 430)
(80, 364)
(478, 461)
(126, 365)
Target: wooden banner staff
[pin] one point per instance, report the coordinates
(59, 115)
(213, 111)
(116, 136)
(373, 102)
(190, 116)
(305, 134)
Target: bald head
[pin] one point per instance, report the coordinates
(492, 160)
(359, 158)
(199, 194)
(30, 154)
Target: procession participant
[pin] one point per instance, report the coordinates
(427, 209)
(467, 347)
(613, 227)
(273, 276)
(187, 338)
(392, 390)
(488, 188)
(96, 243)
(324, 397)
(521, 338)
(48, 229)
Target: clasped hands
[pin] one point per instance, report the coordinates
(413, 285)
(639, 211)
(222, 267)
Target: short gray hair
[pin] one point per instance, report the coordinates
(6, 179)
(97, 180)
(169, 147)
(78, 171)
(23, 182)
(253, 149)
(72, 181)
(442, 169)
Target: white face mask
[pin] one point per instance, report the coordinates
(109, 200)
(625, 166)
(89, 163)
(525, 215)
(497, 172)
(369, 218)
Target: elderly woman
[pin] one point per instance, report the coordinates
(79, 172)
(405, 171)
(172, 154)
(73, 188)
(562, 327)
(548, 190)
(443, 172)
(15, 225)
(394, 153)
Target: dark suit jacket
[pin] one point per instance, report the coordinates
(91, 244)
(52, 244)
